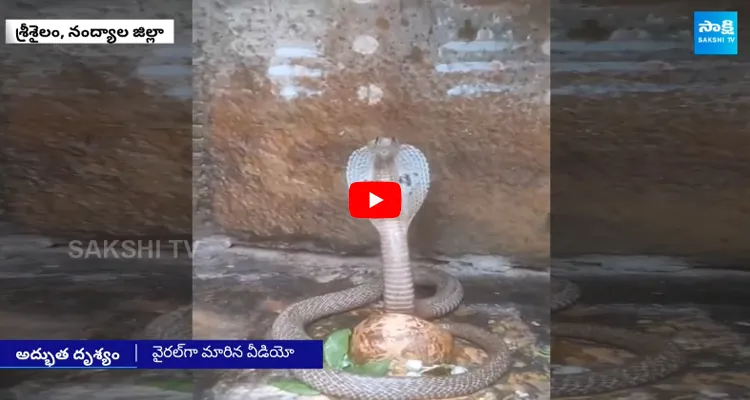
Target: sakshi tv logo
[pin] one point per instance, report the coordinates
(715, 33)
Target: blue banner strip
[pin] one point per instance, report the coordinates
(161, 354)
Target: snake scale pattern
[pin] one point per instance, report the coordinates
(384, 159)
(657, 358)
(291, 322)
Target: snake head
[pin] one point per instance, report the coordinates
(384, 148)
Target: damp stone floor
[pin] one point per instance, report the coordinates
(45, 293)
(704, 313)
(238, 292)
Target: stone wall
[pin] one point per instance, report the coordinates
(283, 93)
(95, 138)
(296, 87)
(649, 142)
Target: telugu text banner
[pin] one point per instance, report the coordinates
(161, 354)
(89, 31)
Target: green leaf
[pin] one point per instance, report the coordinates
(336, 348)
(375, 368)
(294, 386)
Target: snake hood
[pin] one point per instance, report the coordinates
(386, 159)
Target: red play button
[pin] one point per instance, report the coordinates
(375, 200)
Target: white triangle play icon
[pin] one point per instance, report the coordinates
(374, 200)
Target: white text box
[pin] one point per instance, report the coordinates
(89, 31)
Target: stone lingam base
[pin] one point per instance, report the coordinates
(239, 292)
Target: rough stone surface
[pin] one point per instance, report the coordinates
(95, 138)
(239, 294)
(49, 294)
(399, 338)
(283, 91)
(649, 142)
(296, 87)
(710, 331)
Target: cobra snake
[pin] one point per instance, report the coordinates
(657, 358)
(385, 159)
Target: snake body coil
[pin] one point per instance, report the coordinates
(384, 159)
(657, 358)
(291, 323)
